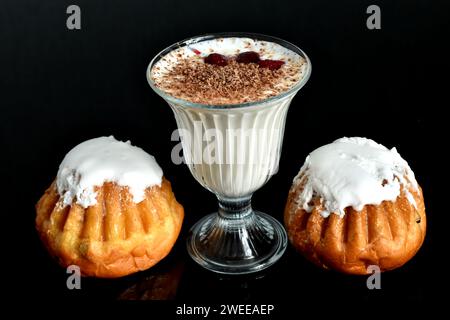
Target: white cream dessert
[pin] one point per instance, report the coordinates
(245, 70)
(104, 159)
(233, 152)
(230, 94)
(353, 172)
(231, 149)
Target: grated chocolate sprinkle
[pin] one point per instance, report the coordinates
(193, 80)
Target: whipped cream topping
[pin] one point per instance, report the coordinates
(104, 159)
(196, 51)
(353, 172)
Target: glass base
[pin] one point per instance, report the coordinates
(241, 244)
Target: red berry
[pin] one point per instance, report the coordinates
(248, 57)
(196, 51)
(216, 59)
(271, 64)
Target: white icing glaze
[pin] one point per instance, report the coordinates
(230, 47)
(104, 159)
(354, 172)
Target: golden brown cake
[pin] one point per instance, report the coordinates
(354, 204)
(113, 229)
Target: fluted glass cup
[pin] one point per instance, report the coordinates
(232, 151)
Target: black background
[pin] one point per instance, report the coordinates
(60, 87)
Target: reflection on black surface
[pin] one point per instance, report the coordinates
(161, 285)
(292, 278)
(202, 285)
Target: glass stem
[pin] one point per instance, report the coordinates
(235, 208)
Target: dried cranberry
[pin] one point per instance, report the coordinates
(271, 64)
(248, 57)
(216, 59)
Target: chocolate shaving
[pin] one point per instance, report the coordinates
(193, 80)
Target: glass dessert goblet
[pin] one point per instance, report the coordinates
(232, 150)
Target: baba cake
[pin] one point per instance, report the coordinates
(109, 211)
(353, 204)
